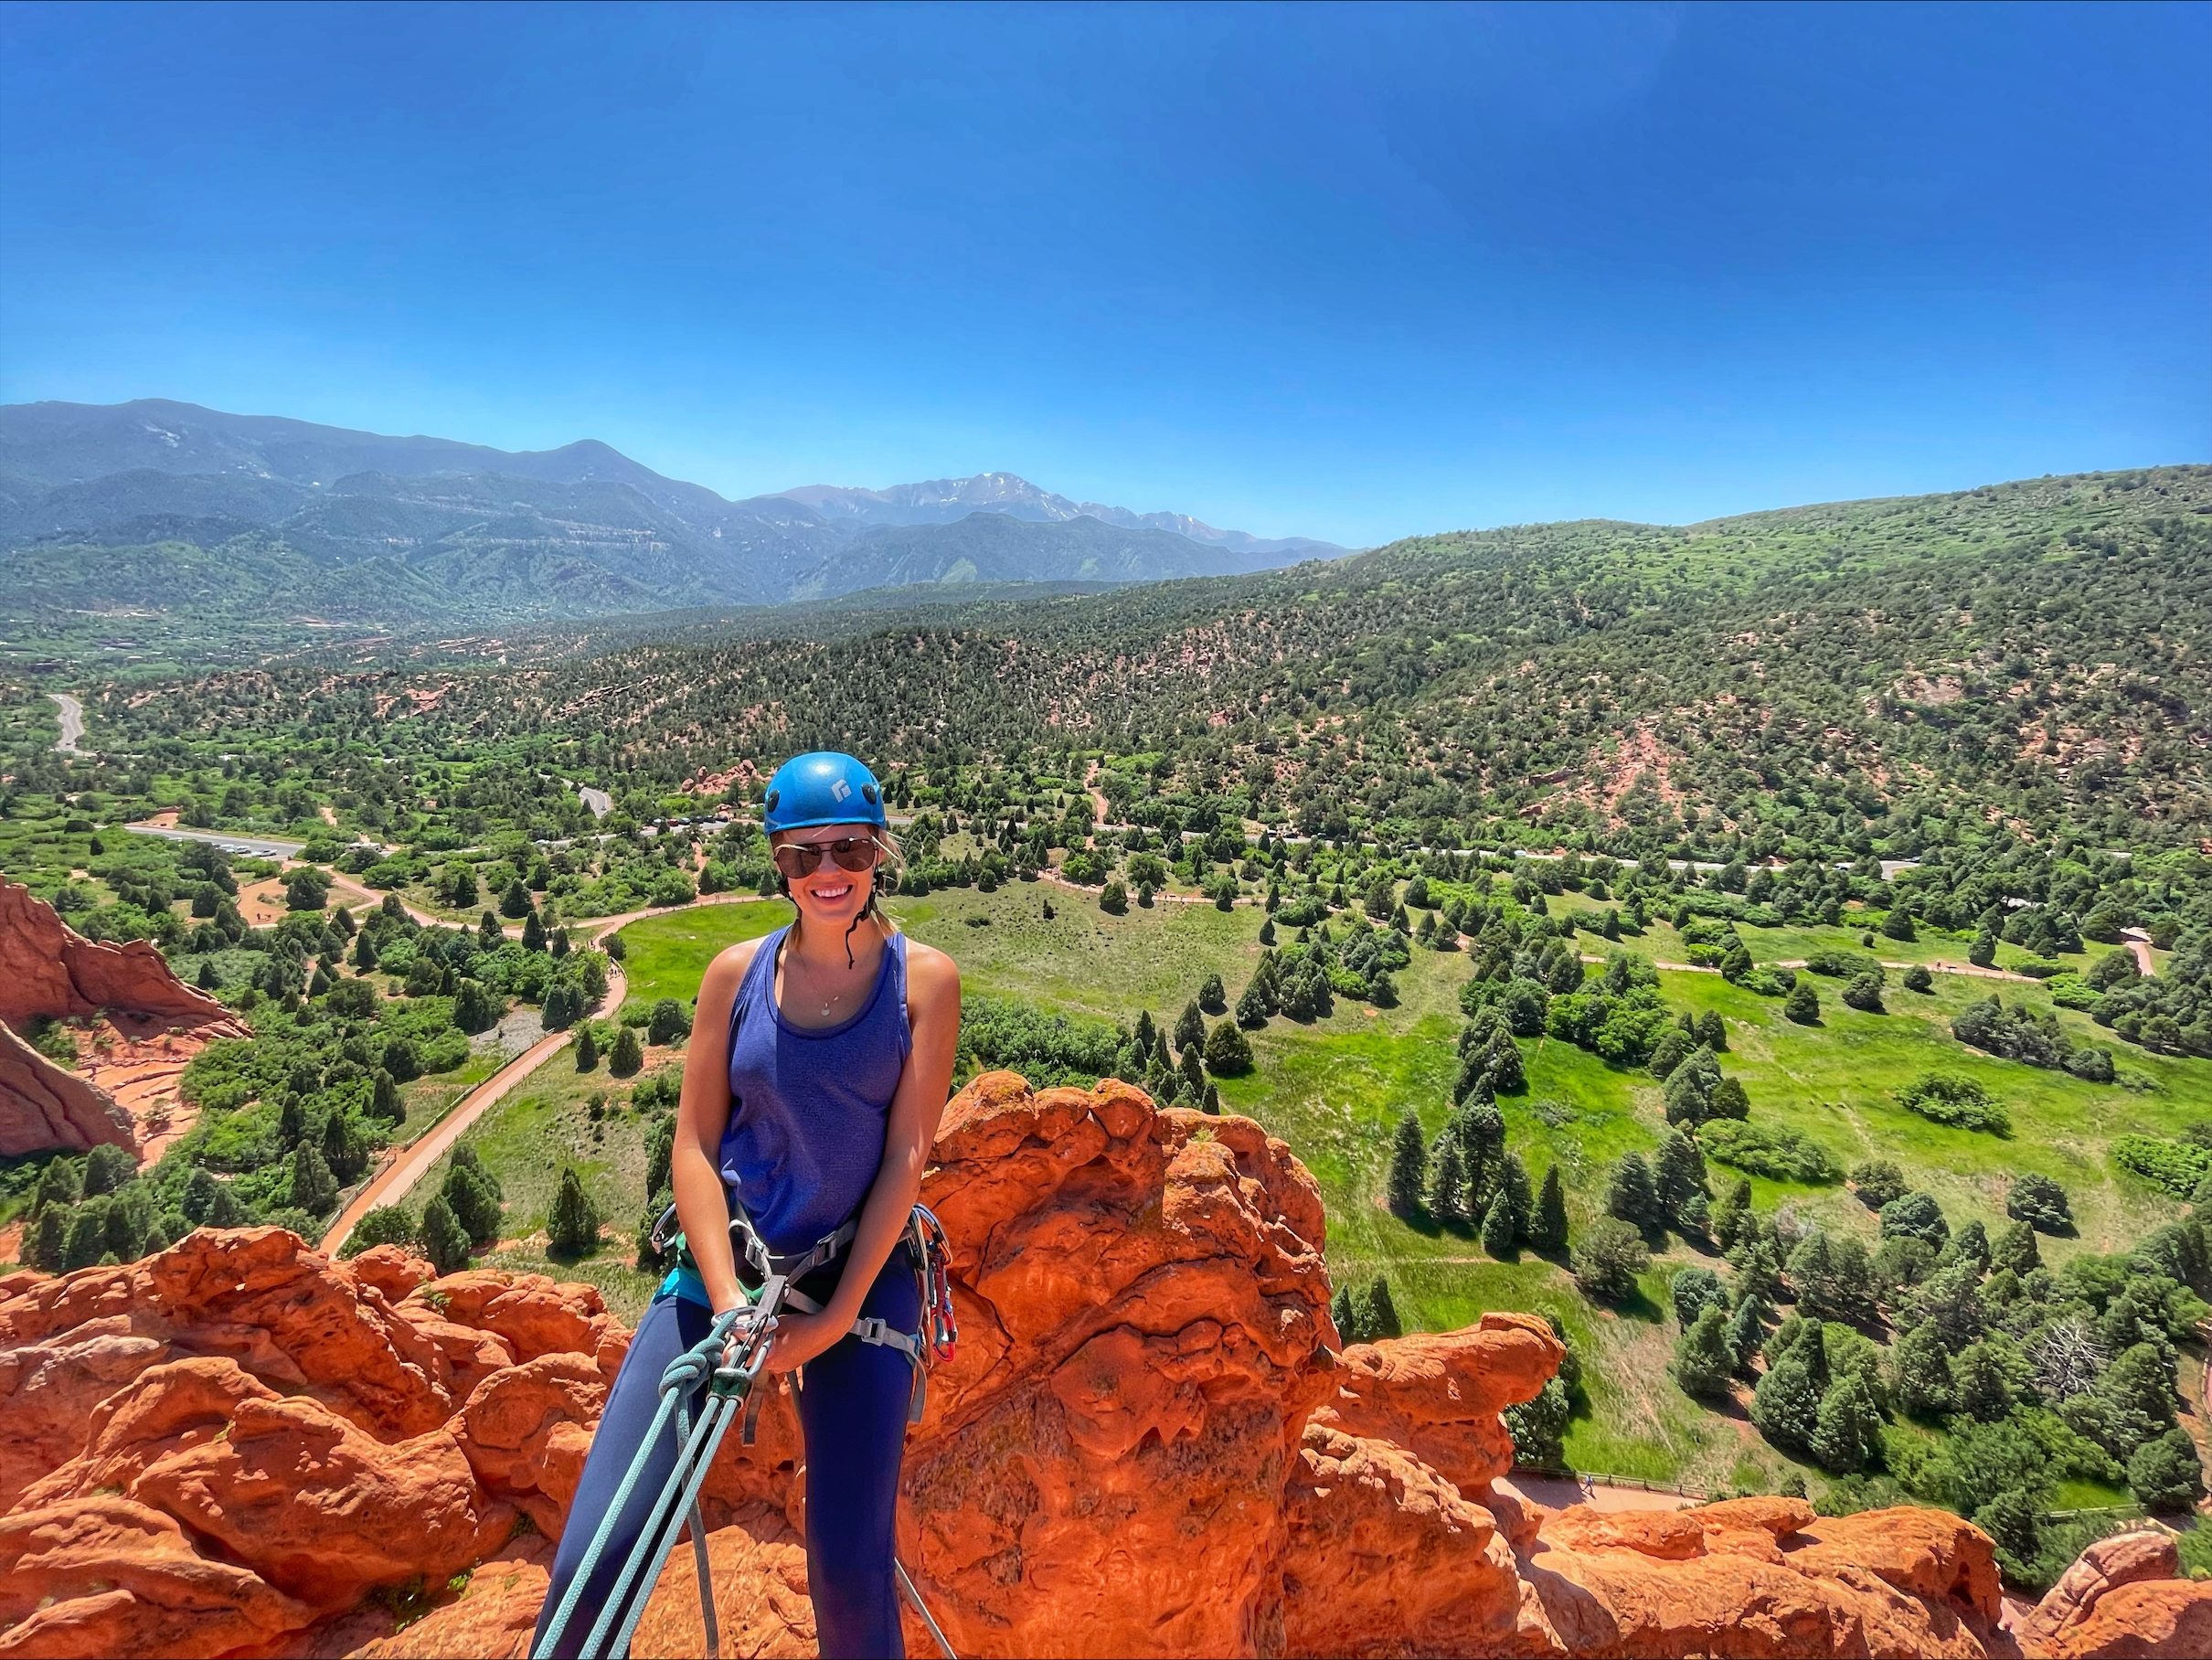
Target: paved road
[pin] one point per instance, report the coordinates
(72, 722)
(599, 800)
(230, 841)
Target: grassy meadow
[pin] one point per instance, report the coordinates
(1336, 1088)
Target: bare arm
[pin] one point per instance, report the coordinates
(917, 1106)
(700, 1119)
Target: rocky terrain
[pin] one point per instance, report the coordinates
(1150, 1444)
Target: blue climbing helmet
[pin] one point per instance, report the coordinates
(822, 788)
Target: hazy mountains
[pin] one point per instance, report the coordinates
(159, 506)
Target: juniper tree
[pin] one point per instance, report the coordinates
(572, 1228)
(1547, 1229)
(444, 1241)
(1447, 1199)
(1701, 1365)
(1498, 1230)
(1190, 1027)
(1408, 1167)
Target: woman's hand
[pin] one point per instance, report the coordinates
(799, 1338)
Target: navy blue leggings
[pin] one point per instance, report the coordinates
(853, 1412)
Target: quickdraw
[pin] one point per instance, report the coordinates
(730, 1359)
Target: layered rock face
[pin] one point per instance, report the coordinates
(47, 968)
(1148, 1445)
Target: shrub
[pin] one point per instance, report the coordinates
(2177, 1166)
(1773, 1151)
(1229, 1053)
(1844, 964)
(386, 1225)
(2041, 1203)
(1802, 1004)
(1955, 1098)
(1876, 1181)
(668, 1023)
(1915, 1216)
(1864, 993)
(1918, 978)
(627, 1055)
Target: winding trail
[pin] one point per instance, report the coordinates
(2139, 945)
(72, 722)
(413, 1162)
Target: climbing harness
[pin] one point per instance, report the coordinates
(730, 1359)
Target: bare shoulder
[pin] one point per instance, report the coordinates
(728, 969)
(933, 978)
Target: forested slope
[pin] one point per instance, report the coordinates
(1827, 677)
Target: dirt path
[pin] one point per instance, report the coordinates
(397, 1178)
(1601, 1496)
(72, 722)
(1099, 807)
(1937, 967)
(2139, 945)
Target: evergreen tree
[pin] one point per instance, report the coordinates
(1802, 1004)
(343, 1149)
(1513, 1188)
(668, 1023)
(1547, 1231)
(533, 933)
(1408, 1167)
(384, 1098)
(1213, 998)
(444, 1241)
(1702, 1366)
(1229, 1054)
(587, 1049)
(514, 903)
(314, 1189)
(573, 1225)
(1447, 1199)
(1382, 1310)
(1341, 1315)
(1251, 1007)
(1193, 1071)
(475, 1008)
(1980, 1387)
(1632, 1194)
(1679, 1175)
(553, 1016)
(1786, 1404)
(1498, 1230)
(489, 936)
(1847, 1428)
(2167, 1474)
(627, 1056)
(384, 1225)
(1713, 1031)
(1211, 1104)
(364, 954)
(1190, 1027)
(2014, 1247)
(473, 1193)
(1747, 1334)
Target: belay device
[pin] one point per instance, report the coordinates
(728, 1360)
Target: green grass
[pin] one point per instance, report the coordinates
(527, 1139)
(667, 954)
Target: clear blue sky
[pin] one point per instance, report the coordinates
(1345, 272)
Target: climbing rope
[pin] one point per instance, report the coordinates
(729, 1360)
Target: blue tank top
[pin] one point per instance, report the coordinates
(809, 1109)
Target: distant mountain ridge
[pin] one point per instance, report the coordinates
(263, 515)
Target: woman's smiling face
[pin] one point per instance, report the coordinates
(831, 895)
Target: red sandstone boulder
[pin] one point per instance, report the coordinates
(528, 1428)
(324, 1510)
(2122, 1598)
(393, 1270)
(108, 1576)
(1439, 1394)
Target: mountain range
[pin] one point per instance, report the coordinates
(168, 507)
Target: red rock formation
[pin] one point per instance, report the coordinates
(2122, 1598)
(43, 1105)
(1147, 1446)
(46, 967)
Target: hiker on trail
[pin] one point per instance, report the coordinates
(819, 1065)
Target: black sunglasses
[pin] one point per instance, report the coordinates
(854, 853)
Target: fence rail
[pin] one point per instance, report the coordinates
(1601, 1478)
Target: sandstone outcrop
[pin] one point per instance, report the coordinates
(43, 1105)
(1149, 1444)
(46, 967)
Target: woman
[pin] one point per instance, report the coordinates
(819, 1064)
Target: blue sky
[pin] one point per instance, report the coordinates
(1345, 272)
